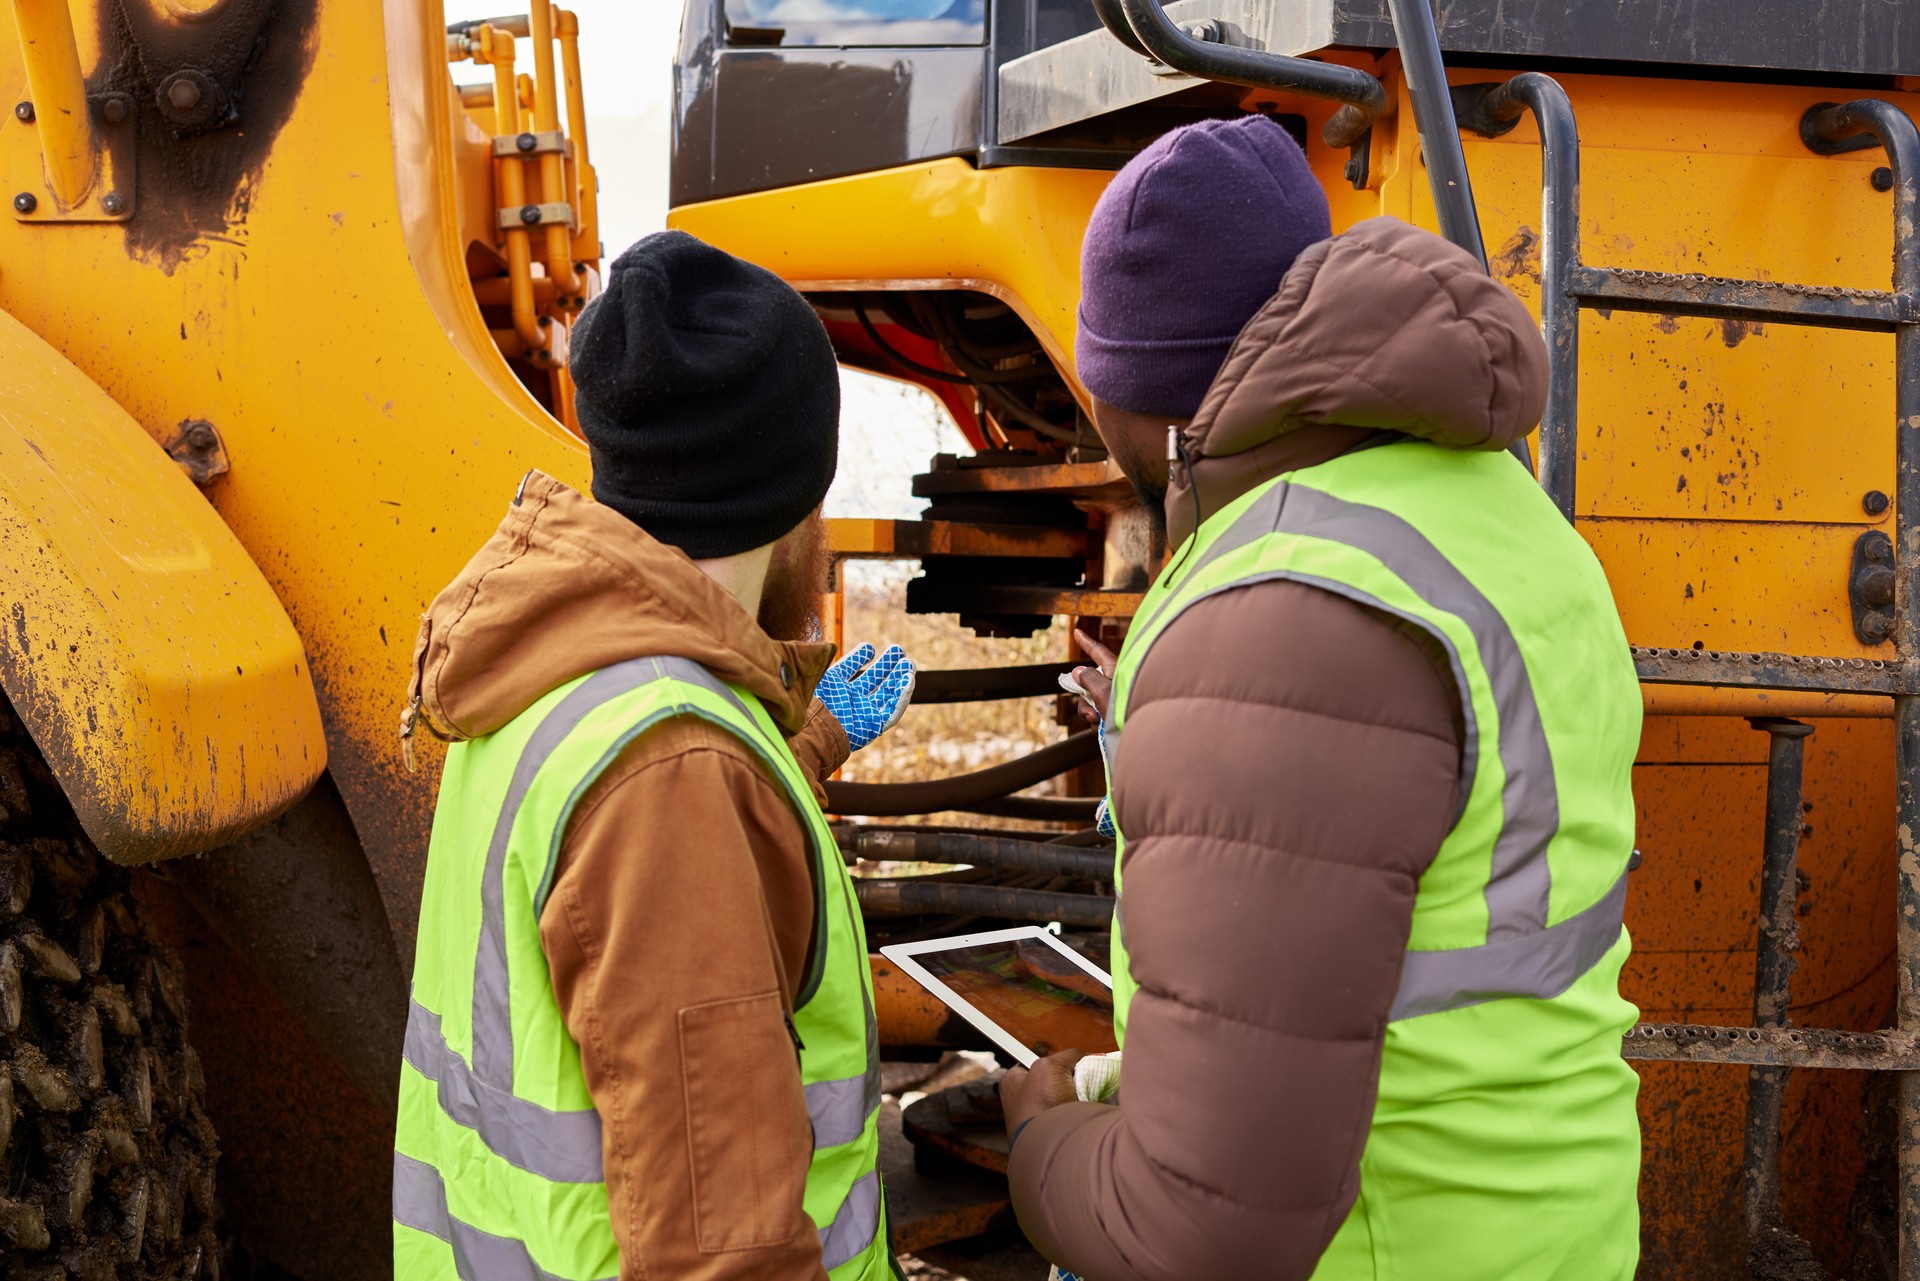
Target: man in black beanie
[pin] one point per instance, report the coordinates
(661, 1063)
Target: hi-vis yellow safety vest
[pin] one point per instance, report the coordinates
(1504, 1142)
(497, 1170)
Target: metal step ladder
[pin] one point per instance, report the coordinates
(1771, 1046)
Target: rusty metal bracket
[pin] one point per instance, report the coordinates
(1758, 301)
(1870, 582)
(519, 216)
(110, 198)
(196, 445)
(1888, 1050)
(1769, 671)
(551, 141)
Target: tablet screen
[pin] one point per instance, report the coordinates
(1039, 996)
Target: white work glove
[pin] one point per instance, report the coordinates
(1093, 686)
(868, 702)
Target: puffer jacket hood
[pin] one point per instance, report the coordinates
(567, 586)
(1383, 328)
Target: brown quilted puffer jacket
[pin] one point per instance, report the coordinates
(1289, 771)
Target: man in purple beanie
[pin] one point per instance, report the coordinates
(1370, 1029)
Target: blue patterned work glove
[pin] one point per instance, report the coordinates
(869, 702)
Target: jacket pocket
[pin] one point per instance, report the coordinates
(748, 1139)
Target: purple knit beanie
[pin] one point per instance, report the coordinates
(1185, 245)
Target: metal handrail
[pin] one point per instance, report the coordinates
(1491, 110)
(1156, 35)
(1419, 43)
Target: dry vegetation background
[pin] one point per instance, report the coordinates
(934, 741)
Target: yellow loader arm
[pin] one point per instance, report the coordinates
(139, 643)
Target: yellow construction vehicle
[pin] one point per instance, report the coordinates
(1711, 207)
(285, 321)
(283, 318)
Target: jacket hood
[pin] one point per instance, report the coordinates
(567, 586)
(1383, 328)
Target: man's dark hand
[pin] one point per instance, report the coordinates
(1096, 680)
(1027, 1092)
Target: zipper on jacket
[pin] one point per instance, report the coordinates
(793, 1034)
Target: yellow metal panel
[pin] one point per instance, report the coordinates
(324, 323)
(148, 657)
(1014, 233)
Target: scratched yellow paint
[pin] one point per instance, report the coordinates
(375, 433)
(139, 643)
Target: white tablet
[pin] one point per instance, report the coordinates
(1023, 988)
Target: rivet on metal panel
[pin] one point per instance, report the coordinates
(23, 112)
(1875, 503)
(25, 203)
(526, 142)
(112, 202)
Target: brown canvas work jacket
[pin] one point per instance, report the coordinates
(682, 877)
(1293, 895)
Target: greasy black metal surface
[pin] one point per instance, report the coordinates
(1757, 301)
(888, 800)
(1884, 1051)
(887, 897)
(983, 684)
(1861, 37)
(1870, 588)
(297, 900)
(1491, 110)
(1774, 963)
(1831, 129)
(1446, 163)
(980, 851)
(1362, 94)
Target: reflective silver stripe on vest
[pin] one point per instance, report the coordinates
(1539, 965)
(562, 1146)
(839, 1109)
(854, 1227)
(1522, 957)
(420, 1203)
(569, 1147)
(492, 1013)
(1520, 881)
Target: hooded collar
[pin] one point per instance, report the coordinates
(1385, 328)
(566, 586)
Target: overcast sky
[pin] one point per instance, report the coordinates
(888, 431)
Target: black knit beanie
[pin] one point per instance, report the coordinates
(707, 391)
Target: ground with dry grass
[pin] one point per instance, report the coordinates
(942, 739)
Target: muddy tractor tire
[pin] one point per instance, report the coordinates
(106, 1155)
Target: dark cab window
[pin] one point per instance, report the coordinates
(856, 23)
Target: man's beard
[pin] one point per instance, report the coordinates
(1155, 501)
(796, 579)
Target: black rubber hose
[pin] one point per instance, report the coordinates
(879, 897)
(1038, 809)
(984, 851)
(892, 800)
(981, 684)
